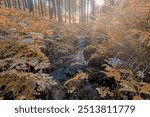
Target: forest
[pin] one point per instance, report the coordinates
(74, 49)
(60, 10)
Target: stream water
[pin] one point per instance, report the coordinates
(81, 43)
(75, 62)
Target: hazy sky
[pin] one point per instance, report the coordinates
(99, 2)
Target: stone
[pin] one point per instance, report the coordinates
(88, 51)
(79, 88)
(58, 75)
(76, 66)
(114, 61)
(68, 71)
(97, 61)
(27, 41)
(101, 79)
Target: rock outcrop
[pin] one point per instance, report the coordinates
(79, 88)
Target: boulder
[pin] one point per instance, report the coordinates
(100, 79)
(80, 88)
(88, 51)
(96, 61)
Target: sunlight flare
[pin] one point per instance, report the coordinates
(99, 2)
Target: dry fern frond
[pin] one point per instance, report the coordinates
(126, 83)
(145, 89)
(112, 72)
(128, 89)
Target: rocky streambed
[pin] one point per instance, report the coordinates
(38, 63)
(37, 66)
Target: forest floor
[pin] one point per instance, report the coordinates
(72, 61)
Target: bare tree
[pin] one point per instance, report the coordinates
(93, 9)
(59, 14)
(0, 3)
(19, 5)
(30, 5)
